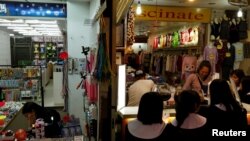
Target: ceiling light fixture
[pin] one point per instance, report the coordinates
(138, 8)
(240, 13)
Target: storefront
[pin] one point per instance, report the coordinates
(40, 49)
(191, 35)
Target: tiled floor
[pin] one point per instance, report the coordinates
(48, 93)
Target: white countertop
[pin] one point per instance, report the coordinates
(131, 112)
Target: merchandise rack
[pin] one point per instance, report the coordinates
(22, 83)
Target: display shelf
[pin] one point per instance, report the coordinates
(21, 84)
(10, 111)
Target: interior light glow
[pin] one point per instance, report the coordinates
(138, 8)
(240, 13)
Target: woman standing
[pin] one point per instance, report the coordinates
(199, 81)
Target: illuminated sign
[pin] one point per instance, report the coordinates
(175, 14)
(3, 8)
(31, 9)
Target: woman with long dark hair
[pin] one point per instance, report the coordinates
(224, 112)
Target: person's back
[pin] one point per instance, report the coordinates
(244, 90)
(136, 131)
(187, 124)
(53, 119)
(221, 119)
(149, 124)
(137, 89)
(224, 112)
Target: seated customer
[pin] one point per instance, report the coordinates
(139, 88)
(33, 111)
(187, 122)
(244, 90)
(236, 75)
(224, 112)
(149, 124)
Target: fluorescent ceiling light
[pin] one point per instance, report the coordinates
(18, 21)
(15, 25)
(43, 25)
(12, 27)
(32, 27)
(4, 21)
(40, 22)
(47, 29)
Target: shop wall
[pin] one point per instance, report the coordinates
(139, 46)
(5, 53)
(94, 5)
(78, 35)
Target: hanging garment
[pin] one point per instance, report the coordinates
(224, 29)
(188, 66)
(184, 37)
(234, 34)
(103, 68)
(155, 45)
(175, 40)
(221, 50)
(210, 54)
(239, 56)
(228, 62)
(215, 30)
(242, 27)
(91, 88)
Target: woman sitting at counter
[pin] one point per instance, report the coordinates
(244, 90)
(149, 124)
(224, 112)
(187, 122)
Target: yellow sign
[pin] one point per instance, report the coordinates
(175, 14)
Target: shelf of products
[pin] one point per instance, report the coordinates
(21, 84)
(8, 111)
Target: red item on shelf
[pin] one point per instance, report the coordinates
(63, 55)
(2, 103)
(66, 118)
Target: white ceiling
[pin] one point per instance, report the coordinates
(144, 27)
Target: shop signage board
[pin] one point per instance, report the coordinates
(175, 14)
(31, 9)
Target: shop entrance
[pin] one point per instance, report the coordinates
(32, 36)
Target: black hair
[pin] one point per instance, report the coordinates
(29, 107)
(205, 63)
(150, 108)
(188, 101)
(221, 93)
(239, 73)
(245, 82)
(139, 74)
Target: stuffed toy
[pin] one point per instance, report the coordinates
(188, 66)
